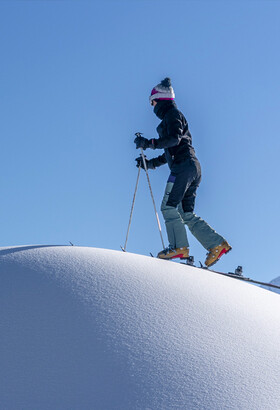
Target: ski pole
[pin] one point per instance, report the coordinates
(149, 183)
(132, 207)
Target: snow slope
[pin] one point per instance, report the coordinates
(85, 328)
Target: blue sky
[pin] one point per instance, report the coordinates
(75, 80)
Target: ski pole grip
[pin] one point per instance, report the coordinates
(139, 134)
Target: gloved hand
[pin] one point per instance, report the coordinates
(149, 163)
(144, 143)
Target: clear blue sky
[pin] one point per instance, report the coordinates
(75, 81)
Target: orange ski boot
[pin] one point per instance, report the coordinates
(216, 253)
(171, 253)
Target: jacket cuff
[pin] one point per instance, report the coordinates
(152, 143)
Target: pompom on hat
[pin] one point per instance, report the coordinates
(162, 91)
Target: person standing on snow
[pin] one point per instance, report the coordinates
(179, 198)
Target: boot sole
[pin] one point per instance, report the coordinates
(180, 256)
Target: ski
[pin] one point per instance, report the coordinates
(237, 274)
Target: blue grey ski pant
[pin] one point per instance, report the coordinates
(178, 205)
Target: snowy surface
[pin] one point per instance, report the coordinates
(85, 328)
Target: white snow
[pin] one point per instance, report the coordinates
(85, 328)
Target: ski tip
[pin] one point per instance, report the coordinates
(122, 249)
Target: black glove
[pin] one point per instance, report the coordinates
(149, 163)
(144, 143)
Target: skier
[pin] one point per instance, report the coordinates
(179, 198)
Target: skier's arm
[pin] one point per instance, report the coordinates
(151, 163)
(175, 131)
(158, 161)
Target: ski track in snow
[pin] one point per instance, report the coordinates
(86, 328)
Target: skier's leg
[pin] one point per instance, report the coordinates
(175, 228)
(201, 230)
(207, 236)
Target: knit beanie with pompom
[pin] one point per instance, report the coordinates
(162, 91)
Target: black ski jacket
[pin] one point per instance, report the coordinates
(174, 136)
